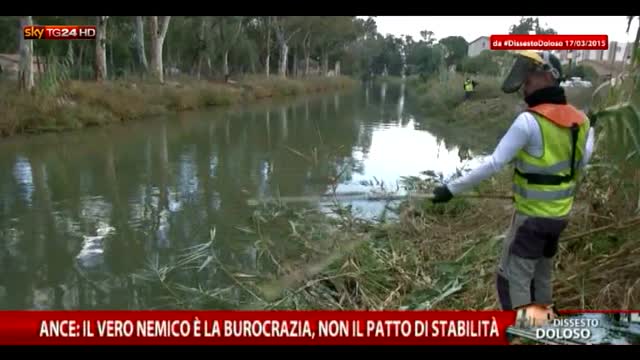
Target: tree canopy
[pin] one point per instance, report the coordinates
(528, 24)
(231, 46)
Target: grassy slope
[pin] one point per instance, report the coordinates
(79, 104)
(487, 115)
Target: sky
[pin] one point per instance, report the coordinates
(472, 27)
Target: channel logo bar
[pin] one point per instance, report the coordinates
(549, 42)
(578, 328)
(59, 32)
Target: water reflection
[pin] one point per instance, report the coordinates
(400, 110)
(130, 196)
(24, 179)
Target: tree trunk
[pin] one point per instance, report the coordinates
(284, 51)
(283, 41)
(325, 63)
(157, 71)
(306, 63)
(225, 65)
(201, 44)
(295, 63)
(80, 61)
(634, 56)
(158, 33)
(167, 45)
(306, 48)
(266, 63)
(199, 67)
(142, 57)
(70, 54)
(111, 65)
(228, 43)
(337, 68)
(38, 65)
(268, 59)
(101, 48)
(25, 74)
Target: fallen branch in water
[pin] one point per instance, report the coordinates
(362, 196)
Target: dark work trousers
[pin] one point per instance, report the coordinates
(525, 270)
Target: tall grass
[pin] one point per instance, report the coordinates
(58, 71)
(441, 95)
(616, 110)
(431, 257)
(59, 104)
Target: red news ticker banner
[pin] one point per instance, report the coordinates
(59, 32)
(549, 42)
(255, 327)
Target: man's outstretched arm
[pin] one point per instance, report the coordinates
(515, 139)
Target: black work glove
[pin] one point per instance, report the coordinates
(592, 119)
(441, 194)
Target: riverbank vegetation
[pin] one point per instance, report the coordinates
(146, 65)
(79, 104)
(444, 256)
(192, 59)
(428, 257)
(419, 256)
(487, 114)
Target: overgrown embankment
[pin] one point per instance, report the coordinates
(79, 104)
(440, 256)
(487, 114)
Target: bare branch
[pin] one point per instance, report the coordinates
(292, 33)
(630, 18)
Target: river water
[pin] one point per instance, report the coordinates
(84, 209)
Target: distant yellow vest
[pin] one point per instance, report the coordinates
(468, 85)
(543, 186)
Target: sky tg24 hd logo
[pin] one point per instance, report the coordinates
(59, 32)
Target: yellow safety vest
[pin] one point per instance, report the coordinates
(545, 186)
(468, 85)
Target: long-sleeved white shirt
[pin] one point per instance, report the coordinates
(525, 134)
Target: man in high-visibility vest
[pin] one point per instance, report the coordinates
(549, 143)
(468, 88)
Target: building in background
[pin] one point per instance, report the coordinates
(478, 45)
(614, 55)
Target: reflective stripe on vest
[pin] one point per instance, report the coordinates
(549, 199)
(562, 166)
(543, 195)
